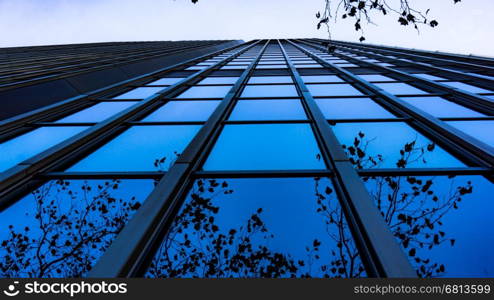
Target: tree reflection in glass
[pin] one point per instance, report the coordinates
(423, 212)
(260, 228)
(63, 227)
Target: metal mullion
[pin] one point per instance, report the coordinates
(133, 248)
(479, 103)
(60, 107)
(378, 249)
(434, 68)
(469, 148)
(58, 154)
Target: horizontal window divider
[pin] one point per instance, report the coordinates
(52, 124)
(426, 171)
(334, 121)
(266, 122)
(101, 175)
(189, 99)
(146, 123)
(269, 98)
(263, 174)
(487, 118)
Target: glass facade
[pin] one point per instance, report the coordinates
(269, 159)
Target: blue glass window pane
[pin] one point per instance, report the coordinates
(206, 92)
(375, 77)
(70, 222)
(140, 93)
(268, 110)
(140, 148)
(219, 80)
(278, 66)
(97, 112)
(400, 88)
(444, 224)
(166, 81)
(182, 111)
(321, 78)
(378, 145)
(259, 220)
(481, 130)
(333, 90)
(234, 67)
(352, 108)
(20, 148)
(271, 79)
(269, 91)
(467, 87)
(429, 76)
(308, 66)
(265, 147)
(441, 108)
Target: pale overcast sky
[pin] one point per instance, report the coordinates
(463, 28)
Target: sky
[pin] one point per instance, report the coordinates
(463, 28)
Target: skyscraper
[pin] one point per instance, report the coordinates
(271, 158)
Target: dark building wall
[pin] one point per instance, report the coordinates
(23, 98)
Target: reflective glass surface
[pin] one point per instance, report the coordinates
(219, 80)
(375, 77)
(140, 148)
(270, 79)
(140, 93)
(265, 147)
(481, 130)
(62, 228)
(97, 112)
(268, 110)
(333, 90)
(400, 88)
(429, 76)
(269, 91)
(31, 143)
(166, 81)
(391, 145)
(260, 228)
(441, 108)
(206, 92)
(182, 111)
(467, 87)
(352, 108)
(443, 224)
(321, 78)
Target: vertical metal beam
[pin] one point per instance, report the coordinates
(134, 247)
(379, 250)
